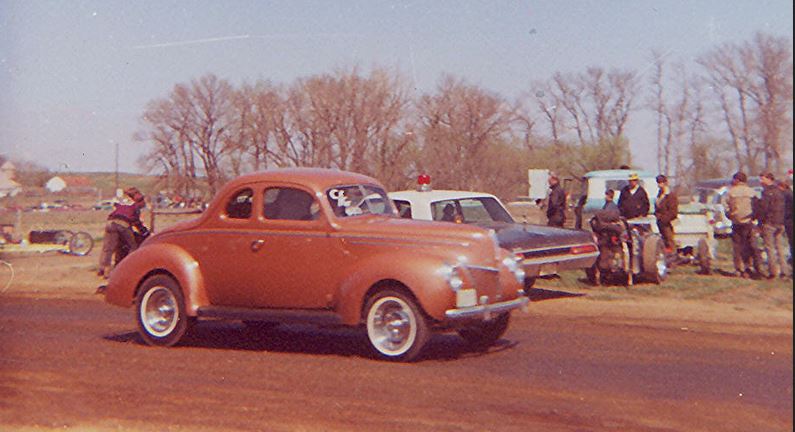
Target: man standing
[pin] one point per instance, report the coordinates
(771, 223)
(666, 209)
(787, 193)
(556, 208)
(633, 201)
(740, 212)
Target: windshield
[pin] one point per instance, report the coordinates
(356, 200)
(470, 210)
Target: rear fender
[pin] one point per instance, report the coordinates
(160, 258)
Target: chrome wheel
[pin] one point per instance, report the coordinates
(391, 326)
(661, 265)
(159, 311)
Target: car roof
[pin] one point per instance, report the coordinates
(717, 183)
(436, 195)
(315, 178)
(617, 174)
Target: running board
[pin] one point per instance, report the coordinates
(306, 316)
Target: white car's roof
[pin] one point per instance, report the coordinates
(435, 195)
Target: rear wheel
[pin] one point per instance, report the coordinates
(655, 267)
(81, 244)
(160, 311)
(396, 328)
(484, 334)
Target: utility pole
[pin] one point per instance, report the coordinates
(117, 167)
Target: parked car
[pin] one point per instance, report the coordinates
(104, 204)
(542, 250)
(315, 246)
(694, 226)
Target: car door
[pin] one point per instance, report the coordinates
(292, 260)
(222, 250)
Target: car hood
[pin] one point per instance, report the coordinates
(514, 236)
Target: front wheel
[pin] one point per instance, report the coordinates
(160, 311)
(81, 243)
(396, 328)
(485, 333)
(655, 267)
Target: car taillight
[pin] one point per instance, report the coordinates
(576, 250)
(712, 221)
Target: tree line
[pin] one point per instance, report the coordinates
(733, 112)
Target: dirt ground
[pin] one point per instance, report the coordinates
(583, 359)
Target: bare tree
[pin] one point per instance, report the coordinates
(753, 85)
(459, 124)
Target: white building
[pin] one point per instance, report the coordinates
(55, 184)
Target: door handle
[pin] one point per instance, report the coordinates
(257, 245)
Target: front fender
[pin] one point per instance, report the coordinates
(157, 258)
(420, 273)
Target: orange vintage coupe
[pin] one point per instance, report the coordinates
(320, 246)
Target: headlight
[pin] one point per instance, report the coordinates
(515, 268)
(452, 276)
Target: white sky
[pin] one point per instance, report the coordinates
(75, 76)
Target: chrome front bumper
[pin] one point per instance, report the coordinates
(486, 311)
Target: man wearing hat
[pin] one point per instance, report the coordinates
(633, 201)
(740, 212)
(556, 207)
(666, 209)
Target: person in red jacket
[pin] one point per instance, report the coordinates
(119, 229)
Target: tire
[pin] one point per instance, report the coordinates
(704, 259)
(654, 265)
(528, 285)
(484, 334)
(397, 330)
(81, 243)
(62, 237)
(160, 311)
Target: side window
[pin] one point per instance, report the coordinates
(404, 208)
(239, 207)
(445, 211)
(283, 203)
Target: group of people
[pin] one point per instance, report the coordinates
(770, 215)
(773, 215)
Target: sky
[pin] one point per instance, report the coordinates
(75, 76)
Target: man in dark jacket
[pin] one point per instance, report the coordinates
(556, 208)
(119, 229)
(770, 216)
(633, 201)
(666, 209)
(787, 193)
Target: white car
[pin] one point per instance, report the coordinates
(541, 250)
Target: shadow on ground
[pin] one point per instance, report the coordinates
(541, 294)
(336, 341)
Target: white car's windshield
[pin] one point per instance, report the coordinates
(356, 200)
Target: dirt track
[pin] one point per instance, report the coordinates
(69, 361)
